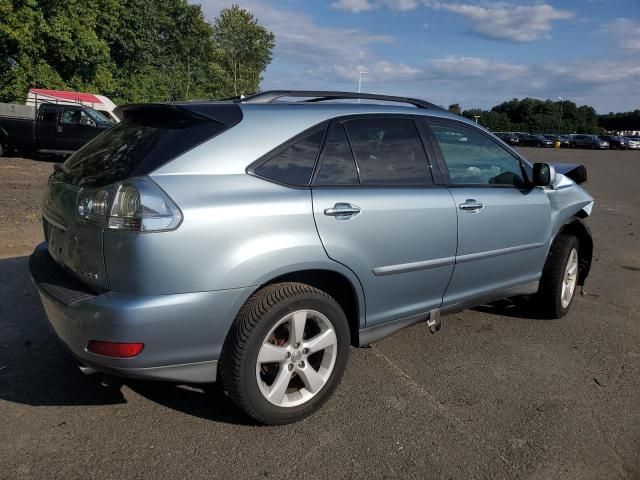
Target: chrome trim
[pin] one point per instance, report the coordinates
(413, 266)
(470, 257)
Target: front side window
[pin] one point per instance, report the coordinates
(388, 151)
(71, 116)
(294, 164)
(338, 166)
(474, 159)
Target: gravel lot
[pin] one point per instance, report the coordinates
(493, 395)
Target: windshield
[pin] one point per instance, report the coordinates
(96, 116)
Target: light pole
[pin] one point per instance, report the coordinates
(476, 117)
(360, 75)
(560, 119)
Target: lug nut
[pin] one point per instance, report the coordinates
(290, 366)
(301, 364)
(297, 345)
(288, 354)
(305, 350)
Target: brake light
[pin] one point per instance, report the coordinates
(137, 204)
(115, 349)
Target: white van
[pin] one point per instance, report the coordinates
(100, 103)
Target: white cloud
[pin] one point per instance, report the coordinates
(626, 32)
(507, 21)
(501, 20)
(353, 6)
(476, 67)
(483, 82)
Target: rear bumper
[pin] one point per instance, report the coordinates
(183, 333)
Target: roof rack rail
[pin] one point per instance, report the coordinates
(325, 95)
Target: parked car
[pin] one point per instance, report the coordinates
(564, 142)
(509, 138)
(178, 250)
(534, 140)
(633, 143)
(52, 129)
(588, 141)
(615, 142)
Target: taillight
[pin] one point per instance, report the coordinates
(137, 205)
(115, 349)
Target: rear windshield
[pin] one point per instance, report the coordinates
(133, 148)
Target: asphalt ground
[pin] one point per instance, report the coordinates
(494, 394)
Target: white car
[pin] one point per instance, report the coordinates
(633, 143)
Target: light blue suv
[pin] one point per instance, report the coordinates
(254, 240)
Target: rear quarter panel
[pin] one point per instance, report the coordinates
(238, 231)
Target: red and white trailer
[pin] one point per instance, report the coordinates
(100, 103)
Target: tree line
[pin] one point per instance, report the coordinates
(548, 116)
(130, 50)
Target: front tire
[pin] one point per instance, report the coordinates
(286, 353)
(559, 278)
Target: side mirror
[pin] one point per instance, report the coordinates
(544, 174)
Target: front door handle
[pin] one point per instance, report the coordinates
(471, 205)
(342, 211)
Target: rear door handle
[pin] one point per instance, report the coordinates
(471, 205)
(342, 211)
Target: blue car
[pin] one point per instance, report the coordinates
(253, 241)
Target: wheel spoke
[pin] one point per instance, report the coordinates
(280, 385)
(321, 341)
(296, 327)
(270, 353)
(312, 379)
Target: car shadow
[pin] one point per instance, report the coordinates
(519, 307)
(36, 370)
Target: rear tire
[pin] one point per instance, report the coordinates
(286, 353)
(559, 280)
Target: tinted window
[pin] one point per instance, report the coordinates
(388, 151)
(132, 148)
(48, 114)
(472, 158)
(338, 166)
(293, 165)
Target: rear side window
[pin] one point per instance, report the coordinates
(48, 114)
(294, 164)
(133, 148)
(338, 166)
(388, 151)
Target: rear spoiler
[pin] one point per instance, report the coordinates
(228, 114)
(575, 171)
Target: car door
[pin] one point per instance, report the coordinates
(46, 133)
(503, 222)
(379, 212)
(75, 128)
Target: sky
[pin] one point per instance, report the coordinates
(477, 53)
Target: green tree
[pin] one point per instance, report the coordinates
(455, 109)
(130, 50)
(243, 50)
